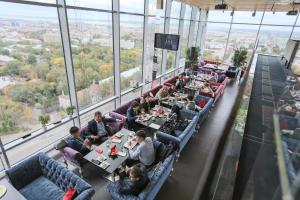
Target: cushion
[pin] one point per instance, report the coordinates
(70, 194)
(42, 189)
(202, 103)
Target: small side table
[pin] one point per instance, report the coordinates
(11, 192)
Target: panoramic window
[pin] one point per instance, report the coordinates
(246, 17)
(133, 6)
(272, 39)
(219, 16)
(155, 25)
(153, 8)
(103, 4)
(131, 50)
(33, 78)
(241, 36)
(175, 9)
(91, 39)
(215, 41)
(184, 38)
(195, 34)
(188, 12)
(171, 55)
(279, 18)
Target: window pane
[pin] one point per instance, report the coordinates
(246, 17)
(175, 9)
(219, 16)
(195, 33)
(215, 41)
(174, 26)
(188, 12)
(197, 10)
(296, 33)
(154, 11)
(184, 38)
(131, 43)
(130, 96)
(171, 56)
(272, 39)
(32, 72)
(92, 51)
(43, 1)
(133, 6)
(155, 25)
(241, 36)
(103, 4)
(85, 118)
(279, 18)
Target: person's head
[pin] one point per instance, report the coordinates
(74, 131)
(140, 136)
(190, 98)
(135, 105)
(165, 88)
(135, 173)
(175, 109)
(98, 116)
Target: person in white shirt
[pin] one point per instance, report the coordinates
(144, 152)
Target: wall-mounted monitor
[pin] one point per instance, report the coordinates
(166, 41)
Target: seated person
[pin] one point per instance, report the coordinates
(144, 153)
(77, 143)
(145, 103)
(172, 90)
(188, 71)
(133, 181)
(191, 103)
(163, 94)
(206, 88)
(173, 121)
(215, 77)
(180, 82)
(98, 129)
(132, 114)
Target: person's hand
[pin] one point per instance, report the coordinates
(94, 137)
(87, 142)
(127, 169)
(117, 178)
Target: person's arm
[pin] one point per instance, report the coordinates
(130, 116)
(134, 154)
(124, 186)
(108, 120)
(90, 128)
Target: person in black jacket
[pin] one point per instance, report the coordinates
(132, 114)
(77, 143)
(97, 129)
(134, 180)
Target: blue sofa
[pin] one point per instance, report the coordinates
(182, 137)
(204, 112)
(157, 175)
(42, 178)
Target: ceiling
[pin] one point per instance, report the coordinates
(278, 5)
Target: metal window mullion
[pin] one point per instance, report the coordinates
(116, 50)
(66, 43)
(198, 34)
(145, 33)
(203, 26)
(228, 38)
(180, 32)
(294, 26)
(192, 27)
(258, 32)
(166, 30)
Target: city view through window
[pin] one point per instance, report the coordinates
(33, 77)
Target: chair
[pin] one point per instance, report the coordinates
(43, 178)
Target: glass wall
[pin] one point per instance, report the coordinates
(33, 79)
(227, 32)
(92, 52)
(33, 76)
(131, 50)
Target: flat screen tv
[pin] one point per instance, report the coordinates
(166, 41)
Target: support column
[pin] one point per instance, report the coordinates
(66, 43)
(166, 30)
(116, 49)
(180, 32)
(146, 30)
